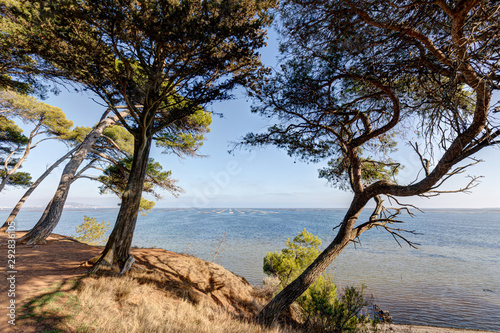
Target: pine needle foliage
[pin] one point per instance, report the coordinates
(321, 304)
(92, 232)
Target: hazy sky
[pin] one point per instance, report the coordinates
(265, 178)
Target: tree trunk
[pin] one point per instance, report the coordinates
(26, 195)
(4, 181)
(53, 212)
(297, 287)
(117, 250)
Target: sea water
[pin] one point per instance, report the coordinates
(452, 279)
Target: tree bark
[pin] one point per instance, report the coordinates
(26, 195)
(117, 250)
(53, 212)
(4, 181)
(290, 293)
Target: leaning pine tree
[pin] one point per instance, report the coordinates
(358, 76)
(162, 59)
(52, 213)
(109, 148)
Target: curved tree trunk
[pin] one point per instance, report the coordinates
(26, 195)
(117, 250)
(297, 287)
(53, 212)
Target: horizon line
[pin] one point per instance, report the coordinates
(267, 208)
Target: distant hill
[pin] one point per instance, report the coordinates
(83, 205)
(68, 205)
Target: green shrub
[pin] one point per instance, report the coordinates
(346, 315)
(92, 232)
(319, 299)
(320, 302)
(291, 261)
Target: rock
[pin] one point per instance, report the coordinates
(383, 316)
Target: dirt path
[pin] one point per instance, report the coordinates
(39, 268)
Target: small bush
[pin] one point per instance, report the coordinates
(320, 299)
(320, 302)
(345, 314)
(291, 261)
(92, 232)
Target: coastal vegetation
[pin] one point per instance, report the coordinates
(356, 79)
(321, 307)
(92, 232)
(167, 292)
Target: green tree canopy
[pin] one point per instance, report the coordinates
(51, 120)
(186, 136)
(114, 179)
(182, 138)
(19, 178)
(161, 59)
(11, 137)
(115, 149)
(20, 71)
(45, 121)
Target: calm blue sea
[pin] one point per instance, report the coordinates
(452, 279)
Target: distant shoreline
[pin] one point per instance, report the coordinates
(447, 210)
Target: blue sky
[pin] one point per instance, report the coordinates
(264, 178)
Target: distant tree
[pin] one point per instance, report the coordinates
(114, 179)
(114, 155)
(47, 122)
(358, 76)
(162, 59)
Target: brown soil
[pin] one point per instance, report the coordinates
(40, 268)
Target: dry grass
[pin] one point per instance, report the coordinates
(135, 303)
(123, 304)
